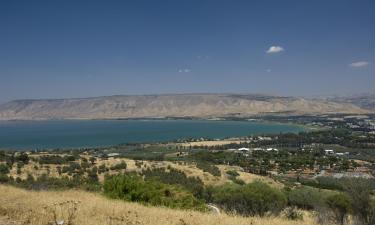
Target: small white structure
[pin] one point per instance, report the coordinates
(113, 154)
(244, 149)
(329, 152)
(272, 149)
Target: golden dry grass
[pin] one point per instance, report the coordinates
(20, 206)
(247, 177)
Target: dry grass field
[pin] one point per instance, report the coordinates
(19, 206)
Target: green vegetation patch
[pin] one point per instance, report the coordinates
(254, 199)
(131, 187)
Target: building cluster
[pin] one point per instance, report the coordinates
(248, 151)
(361, 125)
(332, 152)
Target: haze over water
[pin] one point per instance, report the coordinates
(27, 135)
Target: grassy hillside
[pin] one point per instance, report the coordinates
(18, 207)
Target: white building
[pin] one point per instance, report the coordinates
(272, 149)
(329, 152)
(113, 154)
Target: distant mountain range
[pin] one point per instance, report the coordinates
(365, 101)
(180, 105)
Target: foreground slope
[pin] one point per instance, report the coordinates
(26, 207)
(184, 105)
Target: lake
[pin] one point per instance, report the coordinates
(24, 135)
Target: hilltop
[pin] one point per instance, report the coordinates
(171, 105)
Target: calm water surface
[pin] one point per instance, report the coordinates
(93, 133)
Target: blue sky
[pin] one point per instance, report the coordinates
(56, 49)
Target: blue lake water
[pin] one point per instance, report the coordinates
(94, 133)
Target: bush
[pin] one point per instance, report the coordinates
(4, 178)
(44, 182)
(238, 181)
(254, 199)
(292, 213)
(359, 191)
(212, 169)
(305, 198)
(176, 177)
(340, 206)
(4, 169)
(102, 169)
(133, 188)
(51, 159)
(120, 166)
(72, 168)
(233, 173)
(23, 157)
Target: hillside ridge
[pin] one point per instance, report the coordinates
(171, 105)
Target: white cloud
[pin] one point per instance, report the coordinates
(275, 49)
(359, 64)
(184, 70)
(268, 70)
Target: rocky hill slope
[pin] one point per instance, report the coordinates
(173, 105)
(366, 101)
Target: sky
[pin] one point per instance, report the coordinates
(72, 48)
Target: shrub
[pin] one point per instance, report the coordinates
(359, 191)
(254, 199)
(305, 198)
(120, 166)
(92, 160)
(132, 187)
(4, 169)
(4, 178)
(176, 177)
(92, 176)
(44, 182)
(56, 159)
(138, 164)
(23, 157)
(238, 181)
(232, 173)
(84, 164)
(340, 205)
(292, 213)
(102, 169)
(212, 169)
